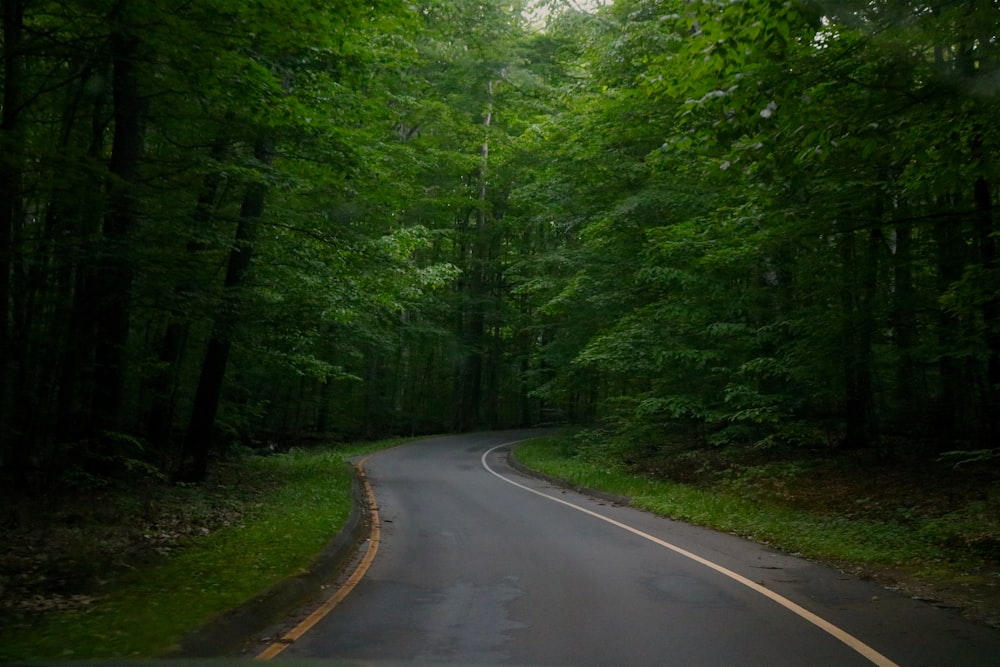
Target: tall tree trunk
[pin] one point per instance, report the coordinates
(10, 204)
(115, 272)
(475, 321)
(866, 333)
(374, 396)
(402, 380)
(160, 418)
(950, 259)
(857, 291)
(73, 396)
(981, 63)
(323, 411)
(492, 386)
(197, 444)
(990, 308)
(472, 370)
(904, 326)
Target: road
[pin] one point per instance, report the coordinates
(481, 565)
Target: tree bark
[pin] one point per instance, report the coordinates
(160, 418)
(474, 325)
(115, 273)
(857, 293)
(77, 279)
(323, 411)
(905, 326)
(10, 203)
(197, 444)
(990, 308)
(950, 258)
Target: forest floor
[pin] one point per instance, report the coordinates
(955, 508)
(63, 551)
(129, 568)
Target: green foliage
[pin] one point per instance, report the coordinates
(757, 222)
(734, 249)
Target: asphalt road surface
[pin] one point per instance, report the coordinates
(481, 565)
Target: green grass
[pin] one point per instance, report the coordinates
(830, 538)
(307, 500)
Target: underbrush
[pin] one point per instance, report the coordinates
(126, 572)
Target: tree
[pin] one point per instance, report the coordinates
(805, 140)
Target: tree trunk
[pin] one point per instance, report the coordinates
(950, 258)
(197, 444)
(10, 203)
(115, 272)
(492, 385)
(866, 334)
(472, 370)
(904, 326)
(990, 309)
(857, 291)
(323, 411)
(160, 418)
(73, 397)
(474, 325)
(403, 382)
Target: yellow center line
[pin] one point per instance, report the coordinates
(295, 633)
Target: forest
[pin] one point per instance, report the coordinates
(742, 224)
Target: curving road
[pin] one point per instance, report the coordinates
(480, 565)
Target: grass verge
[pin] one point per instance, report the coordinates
(746, 506)
(298, 502)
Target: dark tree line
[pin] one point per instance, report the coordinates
(787, 231)
(745, 224)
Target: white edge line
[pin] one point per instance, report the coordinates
(846, 638)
